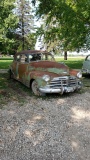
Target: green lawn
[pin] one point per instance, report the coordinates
(74, 63)
(4, 64)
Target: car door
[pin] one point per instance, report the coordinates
(14, 66)
(22, 68)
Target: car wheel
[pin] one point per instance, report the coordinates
(35, 90)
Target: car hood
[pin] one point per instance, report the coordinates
(48, 66)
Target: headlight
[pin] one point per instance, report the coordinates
(46, 78)
(79, 75)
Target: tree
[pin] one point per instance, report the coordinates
(8, 23)
(26, 23)
(71, 22)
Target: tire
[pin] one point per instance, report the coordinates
(35, 90)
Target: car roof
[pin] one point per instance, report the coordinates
(32, 52)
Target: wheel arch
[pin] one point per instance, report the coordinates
(31, 82)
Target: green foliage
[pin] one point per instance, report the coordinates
(8, 23)
(25, 25)
(67, 22)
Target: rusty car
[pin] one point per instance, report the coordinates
(39, 71)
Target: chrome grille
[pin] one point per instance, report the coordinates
(65, 81)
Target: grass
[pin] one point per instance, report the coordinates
(11, 90)
(3, 82)
(4, 64)
(74, 63)
(6, 58)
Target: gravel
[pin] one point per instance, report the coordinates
(46, 129)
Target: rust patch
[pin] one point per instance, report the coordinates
(73, 72)
(48, 64)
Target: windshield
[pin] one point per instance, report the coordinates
(44, 57)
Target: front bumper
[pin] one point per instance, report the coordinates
(60, 90)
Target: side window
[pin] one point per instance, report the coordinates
(35, 57)
(24, 59)
(51, 57)
(44, 57)
(18, 58)
(30, 57)
(48, 57)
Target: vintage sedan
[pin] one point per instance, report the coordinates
(86, 65)
(39, 71)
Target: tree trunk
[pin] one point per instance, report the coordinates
(65, 55)
(22, 21)
(22, 32)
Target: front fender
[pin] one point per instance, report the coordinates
(73, 72)
(41, 82)
(38, 77)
